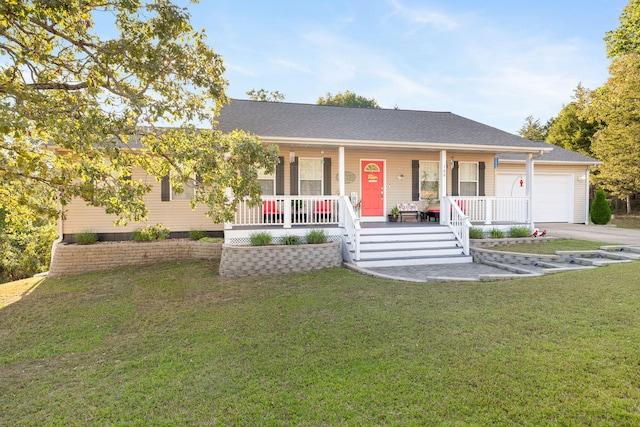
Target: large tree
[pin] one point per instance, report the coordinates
(78, 111)
(617, 144)
(626, 38)
(347, 99)
(571, 128)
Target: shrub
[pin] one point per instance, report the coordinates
(291, 240)
(85, 238)
(197, 234)
(520, 231)
(315, 237)
(476, 233)
(496, 233)
(600, 210)
(211, 240)
(260, 239)
(151, 232)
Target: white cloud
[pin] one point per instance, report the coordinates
(291, 65)
(421, 18)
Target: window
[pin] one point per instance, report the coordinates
(429, 174)
(267, 183)
(189, 190)
(310, 174)
(468, 177)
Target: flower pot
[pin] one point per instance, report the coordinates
(392, 218)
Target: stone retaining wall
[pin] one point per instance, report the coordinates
(487, 256)
(71, 259)
(239, 261)
(505, 241)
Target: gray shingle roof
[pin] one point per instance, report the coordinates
(289, 120)
(558, 154)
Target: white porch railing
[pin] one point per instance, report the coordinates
(458, 223)
(286, 211)
(490, 210)
(351, 243)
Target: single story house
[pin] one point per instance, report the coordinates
(343, 168)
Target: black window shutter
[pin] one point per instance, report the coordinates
(293, 178)
(327, 176)
(415, 180)
(454, 180)
(280, 177)
(165, 189)
(481, 191)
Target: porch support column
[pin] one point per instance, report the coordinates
(341, 189)
(442, 188)
(529, 188)
(341, 170)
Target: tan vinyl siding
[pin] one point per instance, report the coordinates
(175, 215)
(178, 215)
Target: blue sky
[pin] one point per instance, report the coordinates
(492, 61)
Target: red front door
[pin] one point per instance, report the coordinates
(372, 179)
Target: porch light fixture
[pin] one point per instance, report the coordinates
(400, 176)
(582, 178)
(292, 156)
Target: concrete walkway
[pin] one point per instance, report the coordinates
(473, 271)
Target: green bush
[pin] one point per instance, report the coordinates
(197, 234)
(211, 240)
(85, 238)
(600, 210)
(260, 239)
(315, 237)
(151, 232)
(520, 231)
(476, 233)
(25, 247)
(496, 233)
(291, 240)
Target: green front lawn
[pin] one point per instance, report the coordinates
(174, 344)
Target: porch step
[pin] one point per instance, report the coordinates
(392, 262)
(415, 245)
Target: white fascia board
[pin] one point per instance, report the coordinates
(552, 162)
(410, 145)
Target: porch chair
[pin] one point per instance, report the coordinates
(270, 212)
(322, 210)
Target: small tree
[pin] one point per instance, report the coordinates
(348, 99)
(600, 210)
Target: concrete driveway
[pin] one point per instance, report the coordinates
(596, 233)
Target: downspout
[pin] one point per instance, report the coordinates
(587, 181)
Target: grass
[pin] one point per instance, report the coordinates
(174, 344)
(550, 246)
(626, 221)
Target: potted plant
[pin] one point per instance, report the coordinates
(395, 213)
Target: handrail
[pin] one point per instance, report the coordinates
(459, 224)
(285, 211)
(352, 228)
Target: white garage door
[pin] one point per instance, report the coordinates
(552, 195)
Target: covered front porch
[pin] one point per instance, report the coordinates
(296, 215)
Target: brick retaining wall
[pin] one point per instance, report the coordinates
(71, 259)
(239, 261)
